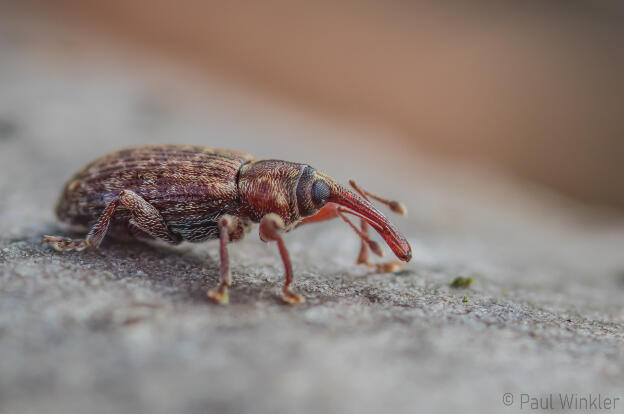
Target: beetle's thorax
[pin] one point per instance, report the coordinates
(274, 186)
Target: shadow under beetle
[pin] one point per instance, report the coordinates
(176, 193)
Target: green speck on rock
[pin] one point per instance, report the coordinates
(466, 299)
(461, 282)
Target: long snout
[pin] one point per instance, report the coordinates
(393, 237)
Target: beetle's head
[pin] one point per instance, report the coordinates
(294, 191)
(316, 189)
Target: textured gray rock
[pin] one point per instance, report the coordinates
(128, 328)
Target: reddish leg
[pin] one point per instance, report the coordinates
(364, 256)
(333, 210)
(230, 229)
(328, 212)
(271, 227)
(369, 245)
(144, 216)
(93, 239)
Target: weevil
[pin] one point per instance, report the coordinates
(176, 193)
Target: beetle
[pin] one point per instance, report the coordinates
(176, 193)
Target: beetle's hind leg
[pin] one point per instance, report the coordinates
(93, 239)
(144, 216)
(230, 229)
(271, 228)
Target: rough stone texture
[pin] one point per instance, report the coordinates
(128, 328)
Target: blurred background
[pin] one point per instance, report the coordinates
(533, 88)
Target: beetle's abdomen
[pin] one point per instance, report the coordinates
(190, 186)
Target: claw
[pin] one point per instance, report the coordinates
(292, 298)
(388, 267)
(219, 295)
(64, 244)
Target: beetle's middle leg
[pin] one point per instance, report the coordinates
(230, 229)
(144, 216)
(271, 227)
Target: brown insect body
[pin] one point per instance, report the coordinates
(191, 187)
(189, 193)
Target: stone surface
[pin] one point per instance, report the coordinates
(127, 328)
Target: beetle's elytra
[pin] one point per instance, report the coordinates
(176, 193)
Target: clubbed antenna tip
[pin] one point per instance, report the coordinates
(398, 207)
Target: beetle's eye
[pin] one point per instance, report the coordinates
(320, 193)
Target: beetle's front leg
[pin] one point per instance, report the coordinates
(271, 228)
(230, 229)
(332, 210)
(364, 255)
